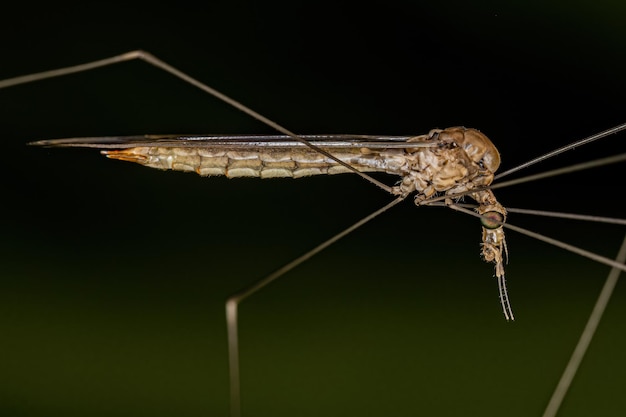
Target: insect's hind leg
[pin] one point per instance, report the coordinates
(74, 69)
(156, 62)
(232, 327)
(130, 56)
(232, 304)
(586, 337)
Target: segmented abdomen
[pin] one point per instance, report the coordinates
(264, 163)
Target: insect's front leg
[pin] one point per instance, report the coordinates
(415, 181)
(404, 188)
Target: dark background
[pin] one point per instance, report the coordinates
(113, 276)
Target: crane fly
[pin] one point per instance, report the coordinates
(437, 168)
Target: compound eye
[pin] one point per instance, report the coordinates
(492, 220)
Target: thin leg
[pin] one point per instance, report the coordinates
(585, 338)
(156, 62)
(554, 242)
(232, 304)
(558, 151)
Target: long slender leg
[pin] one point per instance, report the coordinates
(585, 338)
(232, 304)
(554, 242)
(156, 62)
(558, 151)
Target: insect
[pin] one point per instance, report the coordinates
(165, 152)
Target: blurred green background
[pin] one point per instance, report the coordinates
(114, 276)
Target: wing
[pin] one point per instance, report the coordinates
(242, 141)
